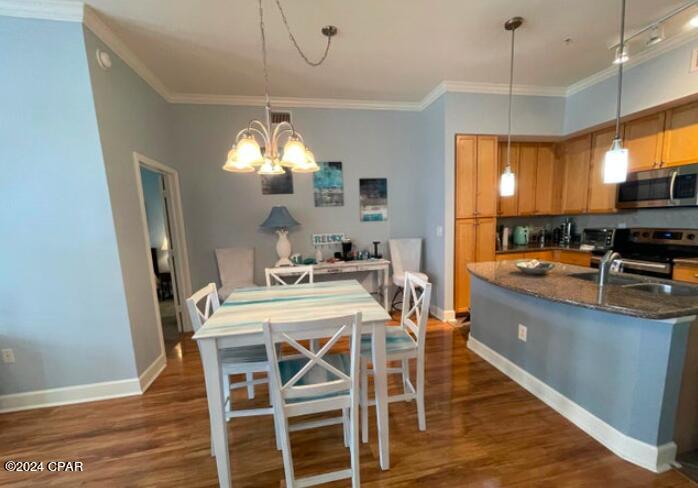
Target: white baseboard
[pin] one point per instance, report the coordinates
(152, 372)
(83, 393)
(69, 394)
(441, 314)
(653, 458)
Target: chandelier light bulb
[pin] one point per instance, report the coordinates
(234, 165)
(270, 167)
(248, 151)
(294, 153)
(309, 166)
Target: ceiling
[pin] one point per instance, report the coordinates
(385, 50)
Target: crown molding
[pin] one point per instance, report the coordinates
(94, 22)
(643, 57)
(63, 10)
(292, 102)
(503, 89)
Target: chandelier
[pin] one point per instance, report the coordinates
(257, 147)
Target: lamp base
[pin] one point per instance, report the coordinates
(284, 262)
(283, 248)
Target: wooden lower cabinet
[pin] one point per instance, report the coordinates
(579, 258)
(540, 255)
(509, 256)
(475, 241)
(686, 272)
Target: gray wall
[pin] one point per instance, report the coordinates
(225, 209)
(624, 370)
(432, 121)
(62, 303)
(657, 81)
(131, 117)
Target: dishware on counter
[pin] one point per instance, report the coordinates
(534, 267)
(521, 235)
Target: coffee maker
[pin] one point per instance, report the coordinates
(346, 249)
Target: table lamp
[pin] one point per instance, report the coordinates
(280, 220)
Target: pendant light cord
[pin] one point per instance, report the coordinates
(264, 64)
(511, 93)
(620, 66)
(297, 46)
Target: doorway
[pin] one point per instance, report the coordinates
(164, 235)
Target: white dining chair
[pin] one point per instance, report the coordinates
(236, 269)
(316, 382)
(289, 275)
(245, 360)
(403, 342)
(405, 255)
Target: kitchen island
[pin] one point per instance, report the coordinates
(609, 359)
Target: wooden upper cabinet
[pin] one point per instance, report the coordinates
(526, 178)
(466, 175)
(681, 135)
(643, 139)
(548, 188)
(508, 206)
(575, 185)
(602, 196)
(486, 190)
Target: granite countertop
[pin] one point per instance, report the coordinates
(533, 248)
(560, 286)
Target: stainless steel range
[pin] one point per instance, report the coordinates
(651, 251)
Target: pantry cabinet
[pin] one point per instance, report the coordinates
(575, 185)
(602, 196)
(475, 242)
(476, 176)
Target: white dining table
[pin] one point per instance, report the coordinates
(238, 322)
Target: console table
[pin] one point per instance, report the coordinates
(381, 268)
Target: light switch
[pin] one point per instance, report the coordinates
(439, 231)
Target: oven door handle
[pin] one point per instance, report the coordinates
(672, 183)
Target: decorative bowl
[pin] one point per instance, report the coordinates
(534, 267)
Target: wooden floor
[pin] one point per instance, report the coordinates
(483, 430)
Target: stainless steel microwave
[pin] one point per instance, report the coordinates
(670, 187)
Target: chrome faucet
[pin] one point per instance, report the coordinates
(605, 266)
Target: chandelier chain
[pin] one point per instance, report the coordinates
(297, 46)
(264, 54)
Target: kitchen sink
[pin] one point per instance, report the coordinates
(613, 279)
(665, 289)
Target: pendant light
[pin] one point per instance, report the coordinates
(615, 166)
(507, 182)
(246, 154)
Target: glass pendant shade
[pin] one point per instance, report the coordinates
(294, 153)
(249, 152)
(234, 165)
(615, 165)
(270, 167)
(507, 183)
(309, 166)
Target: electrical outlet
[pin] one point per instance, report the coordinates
(8, 356)
(523, 332)
(439, 231)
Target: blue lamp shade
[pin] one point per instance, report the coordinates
(279, 218)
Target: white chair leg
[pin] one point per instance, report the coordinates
(421, 413)
(286, 453)
(363, 390)
(345, 424)
(405, 375)
(226, 391)
(249, 377)
(354, 447)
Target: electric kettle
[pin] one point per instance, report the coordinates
(520, 235)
